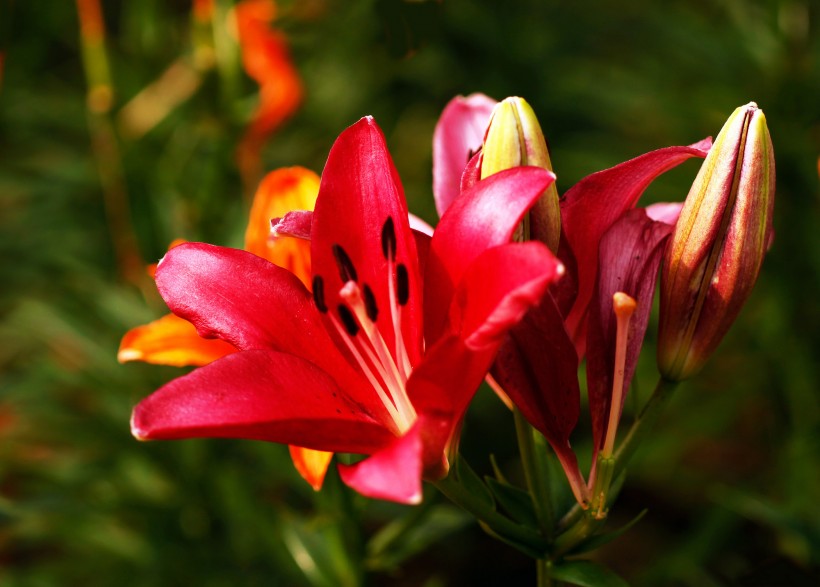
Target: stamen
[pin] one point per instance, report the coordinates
(349, 321)
(402, 284)
(347, 272)
(389, 243)
(370, 303)
(624, 306)
(319, 293)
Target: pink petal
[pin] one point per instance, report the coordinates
(630, 256)
(537, 366)
(253, 304)
(295, 224)
(393, 473)
(459, 134)
(359, 195)
(595, 203)
(259, 395)
(484, 216)
(667, 212)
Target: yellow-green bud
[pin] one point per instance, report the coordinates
(514, 138)
(715, 253)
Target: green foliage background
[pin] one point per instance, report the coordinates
(731, 478)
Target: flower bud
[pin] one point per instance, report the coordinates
(514, 138)
(715, 253)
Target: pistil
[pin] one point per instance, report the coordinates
(623, 306)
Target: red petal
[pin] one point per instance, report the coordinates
(393, 473)
(360, 190)
(630, 255)
(484, 216)
(296, 224)
(253, 304)
(538, 368)
(499, 287)
(259, 395)
(459, 134)
(595, 203)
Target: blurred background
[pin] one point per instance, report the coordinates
(136, 123)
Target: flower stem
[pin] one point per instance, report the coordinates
(533, 458)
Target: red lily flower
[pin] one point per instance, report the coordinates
(607, 248)
(364, 363)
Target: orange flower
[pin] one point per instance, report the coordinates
(174, 341)
(266, 59)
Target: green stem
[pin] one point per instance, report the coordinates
(533, 459)
(543, 576)
(580, 523)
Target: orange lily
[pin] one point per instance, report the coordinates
(171, 340)
(266, 59)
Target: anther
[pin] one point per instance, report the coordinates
(319, 293)
(389, 239)
(347, 272)
(370, 303)
(348, 320)
(402, 284)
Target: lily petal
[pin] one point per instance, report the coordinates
(458, 135)
(251, 395)
(359, 195)
(592, 205)
(173, 341)
(282, 190)
(393, 473)
(630, 257)
(483, 217)
(311, 464)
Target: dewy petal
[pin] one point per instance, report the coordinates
(173, 341)
(592, 205)
(360, 191)
(537, 366)
(282, 190)
(458, 135)
(485, 216)
(630, 257)
(259, 395)
(394, 473)
(253, 304)
(311, 464)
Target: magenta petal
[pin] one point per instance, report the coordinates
(459, 134)
(592, 205)
(259, 395)
(393, 473)
(483, 217)
(296, 224)
(630, 256)
(360, 197)
(538, 368)
(666, 212)
(498, 288)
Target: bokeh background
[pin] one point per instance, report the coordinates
(95, 183)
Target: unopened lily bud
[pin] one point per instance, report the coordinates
(514, 138)
(714, 256)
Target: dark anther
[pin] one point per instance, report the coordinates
(370, 303)
(346, 269)
(389, 239)
(402, 284)
(348, 320)
(319, 293)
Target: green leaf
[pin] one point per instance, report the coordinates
(585, 574)
(597, 541)
(498, 535)
(515, 501)
(472, 483)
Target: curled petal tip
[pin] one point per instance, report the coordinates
(136, 431)
(127, 354)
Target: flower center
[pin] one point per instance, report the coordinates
(355, 321)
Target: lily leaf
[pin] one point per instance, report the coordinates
(601, 539)
(515, 501)
(525, 548)
(585, 574)
(472, 483)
